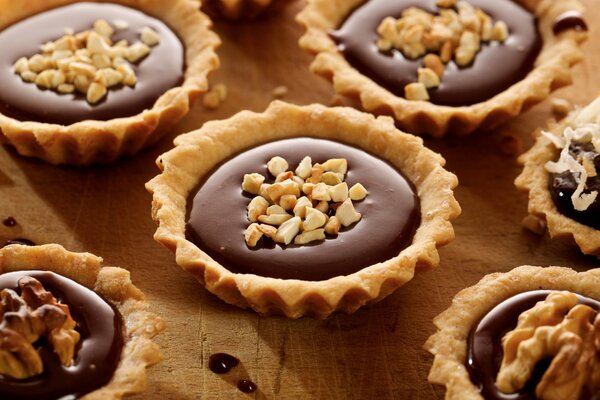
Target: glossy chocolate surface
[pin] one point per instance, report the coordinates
(496, 67)
(161, 70)
(96, 355)
(391, 214)
(485, 344)
(563, 185)
(569, 20)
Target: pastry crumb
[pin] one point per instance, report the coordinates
(561, 107)
(215, 96)
(534, 224)
(280, 91)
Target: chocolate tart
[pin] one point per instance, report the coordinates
(495, 302)
(290, 290)
(468, 99)
(235, 10)
(64, 129)
(103, 302)
(559, 216)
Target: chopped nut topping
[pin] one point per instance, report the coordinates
(299, 206)
(86, 61)
(557, 327)
(27, 318)
(456, 33)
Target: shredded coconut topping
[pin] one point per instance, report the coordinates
(582, 167)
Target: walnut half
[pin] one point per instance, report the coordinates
(26, 319)
(572, 340)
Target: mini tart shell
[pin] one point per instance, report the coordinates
(92, 141)
(235, 10)
(114, 285)
(197, 152)
(449, 344)
(534, 180)
(552, 70)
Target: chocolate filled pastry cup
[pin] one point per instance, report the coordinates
(302, 210)
(87, 83)
(235, 10)
(530, 333)
(444, 66)
(71, 327)
(560, 174)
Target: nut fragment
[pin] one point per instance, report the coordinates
(339, 192)
(300, 207)
(27, 318)
(304, 168)
(333, 225)
(557, 327)
(357, 192)
(428, 78)
(149, 36)
(320, 192)
(277, 165)
(95, 93)
(287, 201)
(275, 219)
(346, 213)
(416, 91)
(252, 183)
(257, 207)
(314, 219)
(288, 230)
(310, 236)
(252, 234)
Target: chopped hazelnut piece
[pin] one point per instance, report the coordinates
(331, 178)
(277, 165)
(275, 209)
(333, 225)
(339, 192)
(288, 230)
(284, 175)
(252, 234)
(428, 78)
(95, 93)
(357, 192)
(339, 165)
(314, 219)
(304, 168)
(257, 207)
(287, 201)
(434, 63)
(150, 37)
(300, 207)
(346, 213)
(310, 236)
(307, 188)
(320, 192)
(276, 190)
(416, 91)
(322, 206)
(103, 28)
(252, 183)
(274, 219)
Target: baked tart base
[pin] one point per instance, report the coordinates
(114, 285)
(552, 70)
(183, 169)
(534, 180)
(92, 141)
(449, 344)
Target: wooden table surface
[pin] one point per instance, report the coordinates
(374, 353)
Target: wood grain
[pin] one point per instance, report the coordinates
(374, 353)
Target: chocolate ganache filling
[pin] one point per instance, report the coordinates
(497, 66)
(160, 71)
(563, 185)
(569, 20)
(96, 355)
(391, 215)
(485, 344)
